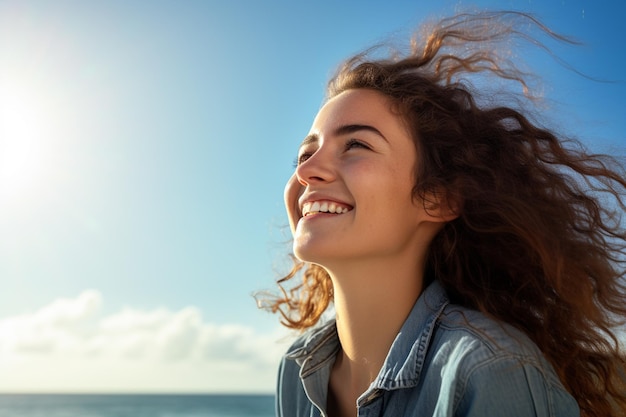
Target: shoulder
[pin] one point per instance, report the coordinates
(471, 340)
(487, 365)
(479, 335)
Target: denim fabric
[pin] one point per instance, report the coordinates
(445, 361)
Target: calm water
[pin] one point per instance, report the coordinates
(87, 405)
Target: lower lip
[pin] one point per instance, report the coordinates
(321, 215)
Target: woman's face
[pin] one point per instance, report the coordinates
(350, 197)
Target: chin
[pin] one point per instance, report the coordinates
(308, 253)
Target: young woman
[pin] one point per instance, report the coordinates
(473, 262)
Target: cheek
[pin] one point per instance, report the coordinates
(397, 189)
(293, 190)
(395, 180)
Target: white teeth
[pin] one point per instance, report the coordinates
(323, 207)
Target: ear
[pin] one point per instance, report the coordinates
(441, 206)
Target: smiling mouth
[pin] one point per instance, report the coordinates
(331, 207)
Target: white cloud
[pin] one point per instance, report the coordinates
(69, 345)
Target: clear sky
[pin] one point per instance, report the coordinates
(144, 147)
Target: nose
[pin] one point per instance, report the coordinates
(317, 168)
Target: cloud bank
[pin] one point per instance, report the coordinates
(69, 345)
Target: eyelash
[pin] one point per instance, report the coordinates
(356, 142)
(300, 159)
(349, 145)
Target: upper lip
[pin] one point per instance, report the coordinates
(310, 198)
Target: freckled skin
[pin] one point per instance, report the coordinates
(374, 175)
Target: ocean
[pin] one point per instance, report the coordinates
(132, 405)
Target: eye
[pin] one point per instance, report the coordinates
(354, 143)
(302, 157)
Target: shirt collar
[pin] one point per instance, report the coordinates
(403, 364)
(320, 345)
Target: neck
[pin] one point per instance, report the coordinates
(372, 301)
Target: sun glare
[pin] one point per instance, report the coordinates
(23, 121)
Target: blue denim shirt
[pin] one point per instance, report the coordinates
(445, 361)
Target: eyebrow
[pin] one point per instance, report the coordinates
(344, 130)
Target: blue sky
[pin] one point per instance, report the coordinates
(144, 147)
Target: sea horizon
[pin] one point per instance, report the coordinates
(134, 404)
(218, 393)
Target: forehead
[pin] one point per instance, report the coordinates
(360, 106)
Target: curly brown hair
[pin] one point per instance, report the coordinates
(537, 243)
